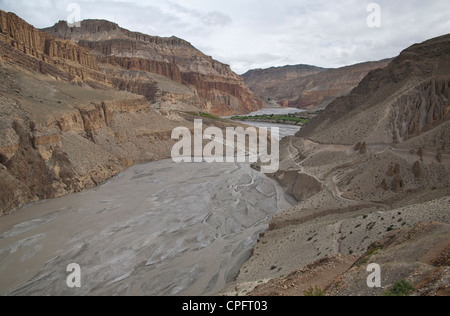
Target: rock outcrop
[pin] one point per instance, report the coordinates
(166, 69)
(64, 60)
(304, 86)
(26, 38)
(24, 45)
(224, 91)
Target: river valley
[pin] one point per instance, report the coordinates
(159, 228)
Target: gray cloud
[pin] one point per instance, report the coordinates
(216, 19)
(262, 33)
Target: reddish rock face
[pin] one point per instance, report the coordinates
(22, 44)
(220, 90)
(24, 37)
(223, 91)
(159, 67)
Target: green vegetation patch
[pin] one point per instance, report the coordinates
(314, 292)
(272, 117)
(400, 288)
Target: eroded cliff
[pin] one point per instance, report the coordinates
(24, 45)
(224, 92)
(29, 40)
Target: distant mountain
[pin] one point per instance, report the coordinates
(222, 91)
(304, 86)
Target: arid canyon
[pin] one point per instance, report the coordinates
(87, 116)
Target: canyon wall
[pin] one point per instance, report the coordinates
(29, 40)
(23, 44)
(224, 92)
(166, 69)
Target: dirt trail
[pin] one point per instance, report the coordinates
(405, 153)
(329, 179)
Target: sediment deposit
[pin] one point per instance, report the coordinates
(157, 229)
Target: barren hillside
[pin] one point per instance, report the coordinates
(373, 162)
(407, 99)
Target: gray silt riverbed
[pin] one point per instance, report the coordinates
(157, 229)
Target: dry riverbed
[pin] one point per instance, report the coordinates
(157, 229)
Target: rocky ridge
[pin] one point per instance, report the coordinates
(405, 100)
(304, 86)
(224, 92)
(24, 45)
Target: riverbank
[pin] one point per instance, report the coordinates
(287, 119)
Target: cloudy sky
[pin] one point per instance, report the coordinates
(251, 34)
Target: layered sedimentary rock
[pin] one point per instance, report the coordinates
(223, 90)
(23, 44)
(29, 40)
(304, 86)
(225, 96)
(166, 69)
